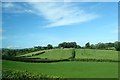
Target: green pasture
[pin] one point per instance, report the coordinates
(96, 54)
(80, 54)
(55, 54)
(30, 54)
(67, 69)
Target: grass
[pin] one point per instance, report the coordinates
(55, 54)
(96, 54)
(67, 69)
(80, 54)
(30, 54)
(71, 69)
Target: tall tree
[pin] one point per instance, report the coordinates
(100, 46)
(68, 45)
(87, 45)
(73, 54)
(49, 46)
(92, 46)
(117, 45)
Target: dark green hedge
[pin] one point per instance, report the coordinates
(24, 75)
(24, 59)
(97, 60)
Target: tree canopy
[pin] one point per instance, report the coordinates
(68, 45)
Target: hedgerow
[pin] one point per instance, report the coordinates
(24, 75)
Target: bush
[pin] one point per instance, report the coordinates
(24, 59)
(73, 54)
(72, 58)
(24, 75)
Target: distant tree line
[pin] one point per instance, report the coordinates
(49, 46)
(106, 46)
(17, 52)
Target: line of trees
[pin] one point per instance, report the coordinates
(16, 52)
(107, 46)
(49, 46)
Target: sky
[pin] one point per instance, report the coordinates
(28, 24)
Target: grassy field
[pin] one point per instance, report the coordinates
(30, 54)
(67, 69)
(97, 54)
(71, 69)
(55, 54)
(80, 54)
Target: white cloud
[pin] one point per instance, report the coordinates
(91, 0)
(60, 14)
(1, 37)
(32, 0)
(8, 5)
(117, 31)
(13, 47)
(1, 34)
(11, 7)
(1, 30)
(60, 0)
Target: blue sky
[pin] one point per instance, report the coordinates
(31, 23)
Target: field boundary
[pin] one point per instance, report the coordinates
(33, 54)
(39, 60)
(22, 59)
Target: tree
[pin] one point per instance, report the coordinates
(100, 46)
(68, 45)
(73, 55)
(92, 46)
(109, 45)
(78, 46)
(60, 45)
(117, 45)
(49, 46)
(38, 47)
(87, 45)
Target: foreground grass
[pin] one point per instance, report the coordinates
(67, 69)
